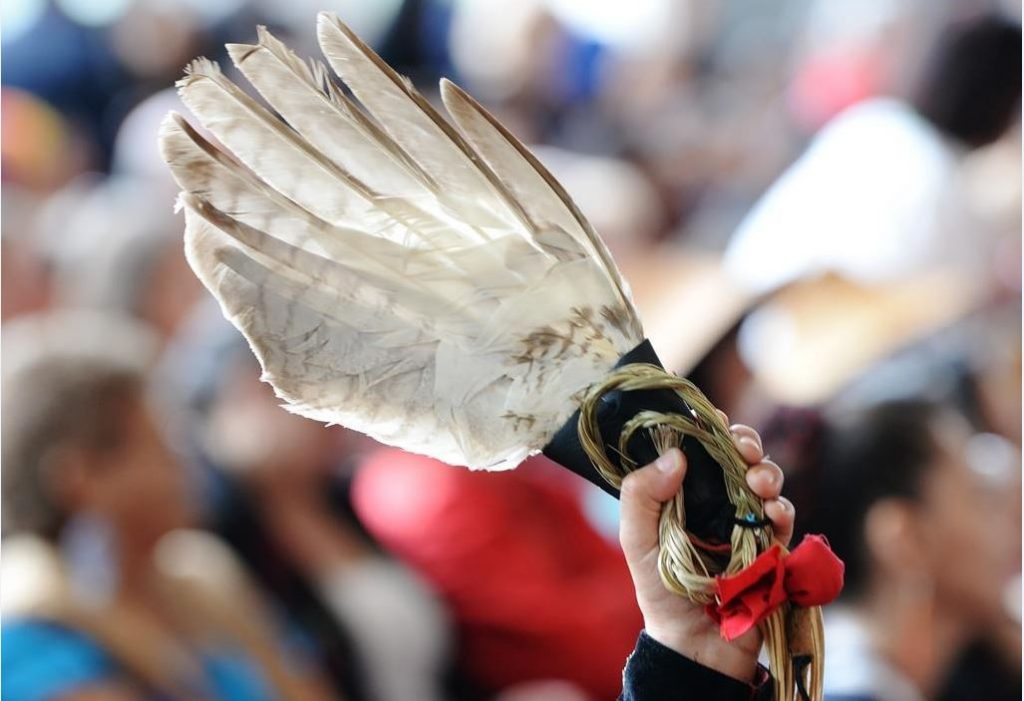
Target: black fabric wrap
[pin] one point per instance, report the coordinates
(709, 514)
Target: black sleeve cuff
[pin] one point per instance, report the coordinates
(657, 673)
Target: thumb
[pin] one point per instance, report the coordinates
(641, 496)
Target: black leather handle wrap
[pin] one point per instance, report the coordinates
(709, 514)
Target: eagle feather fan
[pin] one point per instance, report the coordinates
(431, 285)
(427, 284)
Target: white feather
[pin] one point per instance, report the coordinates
(436, 290)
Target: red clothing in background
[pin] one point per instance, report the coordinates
(535, 591)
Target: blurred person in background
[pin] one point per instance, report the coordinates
(880, 192)
(923, 511)
(25, 276)
(277, 492)
(113, 244)
(41, 150)
(850, 348)
(103, 596)
(536, 593)
(973, 363)
(92, 61)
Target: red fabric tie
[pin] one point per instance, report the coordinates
(811, 575)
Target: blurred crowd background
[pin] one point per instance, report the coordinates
(818, 205)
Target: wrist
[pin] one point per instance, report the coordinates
(714, 654)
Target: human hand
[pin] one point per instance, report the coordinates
(673, 620)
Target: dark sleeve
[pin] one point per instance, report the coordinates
(656, 673)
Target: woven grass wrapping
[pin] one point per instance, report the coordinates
(685, 568)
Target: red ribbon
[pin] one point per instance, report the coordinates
(811, 575)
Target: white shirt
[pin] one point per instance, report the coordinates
(877, 195)
(853, 668)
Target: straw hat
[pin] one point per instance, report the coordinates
(803, 343)
(812, 338)
(687, 302)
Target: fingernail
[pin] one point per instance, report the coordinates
(750, 443)
(669, 461)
